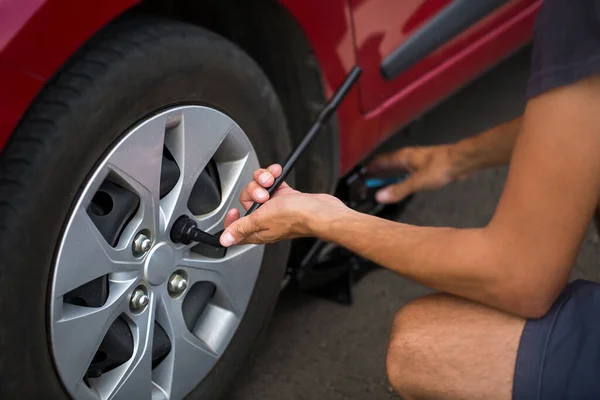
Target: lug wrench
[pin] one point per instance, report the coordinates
(185, 230)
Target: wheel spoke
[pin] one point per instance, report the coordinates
(133, 380)
(196, 139)
(189, 360)
(79, 331)
(137, 162)
(235, 175)
(234, 275)
(193, 142)
(85, 255)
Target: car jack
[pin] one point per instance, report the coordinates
(334, 279)
(329, 271)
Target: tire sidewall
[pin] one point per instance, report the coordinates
(147, 66)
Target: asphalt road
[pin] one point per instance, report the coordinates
(316, 349)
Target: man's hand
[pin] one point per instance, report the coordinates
(430, 168)
(288, 214)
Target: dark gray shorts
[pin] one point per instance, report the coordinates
(559, 354)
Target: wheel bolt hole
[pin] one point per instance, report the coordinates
(102, 204)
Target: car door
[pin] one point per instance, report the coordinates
(381, 26)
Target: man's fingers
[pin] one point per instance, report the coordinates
(382, 162)
(266, 176)
(391, 161)
(275, 170)
(231, 216)
(263, 178)
(395, 193)
(253, 192)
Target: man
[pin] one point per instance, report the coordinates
(507, 324)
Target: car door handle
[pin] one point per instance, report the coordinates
(449, 22)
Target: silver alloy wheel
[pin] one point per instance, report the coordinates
(194, 135)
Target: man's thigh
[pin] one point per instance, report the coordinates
(446, 347)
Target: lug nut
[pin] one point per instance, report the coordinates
(141, 244)
(139, 300)
(177, 284)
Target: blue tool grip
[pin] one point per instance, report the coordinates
(381, 182)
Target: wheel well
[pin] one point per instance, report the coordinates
(273, 38)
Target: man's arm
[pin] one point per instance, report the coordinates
(521, 261)
(491, 148)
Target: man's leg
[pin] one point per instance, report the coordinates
(445, 347)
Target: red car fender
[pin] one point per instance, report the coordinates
(36, 38)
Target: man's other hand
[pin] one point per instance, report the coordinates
(429, 167)
(288, 214)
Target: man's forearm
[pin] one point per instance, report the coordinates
(464, 262)
(489, 149)
(457, 261)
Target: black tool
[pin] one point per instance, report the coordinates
(185, 230)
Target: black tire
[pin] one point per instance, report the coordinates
(131, 70)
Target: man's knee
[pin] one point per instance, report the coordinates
(411, 348)
(437, 335)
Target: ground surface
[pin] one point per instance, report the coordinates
(320, 350)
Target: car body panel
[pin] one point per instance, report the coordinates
(38, 36)
(384, 107)
(382, 25)
(328, 27)
(456, 71)
(18, 89)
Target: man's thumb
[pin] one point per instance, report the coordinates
(239, 231)
(227, 239)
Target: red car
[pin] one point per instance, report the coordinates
(119, 116)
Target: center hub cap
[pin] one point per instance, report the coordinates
(160, 264)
